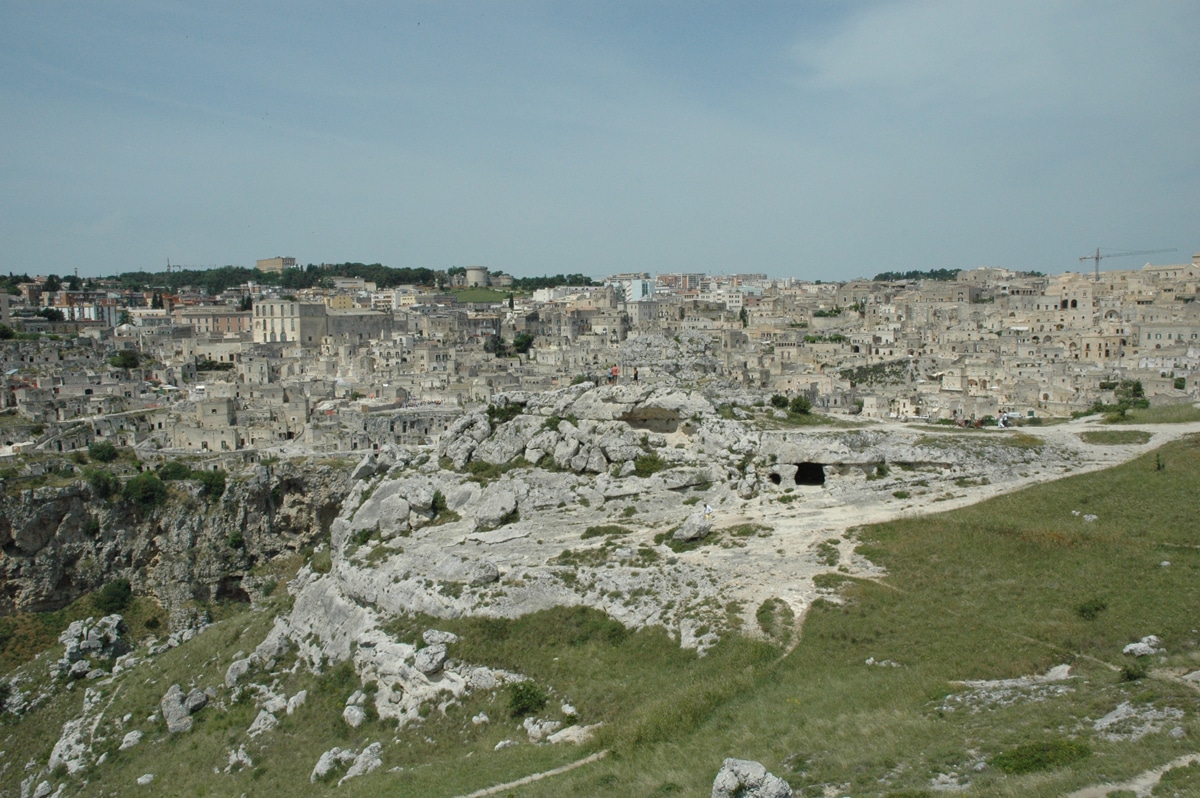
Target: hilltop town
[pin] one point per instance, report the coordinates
(351, 366)
(374, 491)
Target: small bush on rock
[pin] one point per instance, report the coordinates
(499, 414)
(647, 464)
(212, 483)
(146, 490)
(104, 484)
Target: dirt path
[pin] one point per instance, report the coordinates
(530, 779)
(1141, 784)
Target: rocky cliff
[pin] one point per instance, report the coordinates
(58, 543)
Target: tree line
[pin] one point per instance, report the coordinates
(222, 278)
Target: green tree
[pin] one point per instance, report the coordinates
(51, 314)
(113, 597)
(779, 400)
(744, 315)
(125, 359)
(174, 470)
(523, 343)
(104, 484)
(124, 318)
(495, 345)
(146, 490)
(53, 283)
(212, 483)
(800, 405)
(102, 451)
(6, 332)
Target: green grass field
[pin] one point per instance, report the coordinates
(1006, 588)
(480, 295)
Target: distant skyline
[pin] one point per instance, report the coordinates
(814, 140)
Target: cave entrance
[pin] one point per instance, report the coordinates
(810, 474)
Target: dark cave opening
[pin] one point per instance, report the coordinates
(810, 474)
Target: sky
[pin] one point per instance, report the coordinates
(817, 140)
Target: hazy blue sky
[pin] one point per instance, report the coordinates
(815, 139)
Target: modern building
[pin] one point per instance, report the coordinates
(283, 321)
(276, 265)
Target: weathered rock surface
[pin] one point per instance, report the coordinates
(361, 762)
(696, 527)
(429, 660)
(743, 778)
(67, 542)
(175, 711)
(104, 639)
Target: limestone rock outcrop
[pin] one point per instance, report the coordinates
(66, 541)
(743, 778)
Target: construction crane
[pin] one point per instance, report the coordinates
(1119, 254)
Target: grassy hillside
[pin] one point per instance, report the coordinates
(1008, 588)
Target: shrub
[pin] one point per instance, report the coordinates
(526, 698)
(498, 414)
(607, 530)
(482, 471)
(102, 452)
(104, 484)
(800, 406)
(174, 470)
(212, 483)
(779, 400)
(439, 503)
(1133, 671)
(125, 359)
(647, 464)
(827, 552)
(236, 539)
(1088, 610)
(113, 597)
(322, 561)
(775, 618)
(146, 490)
(1032, 757)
